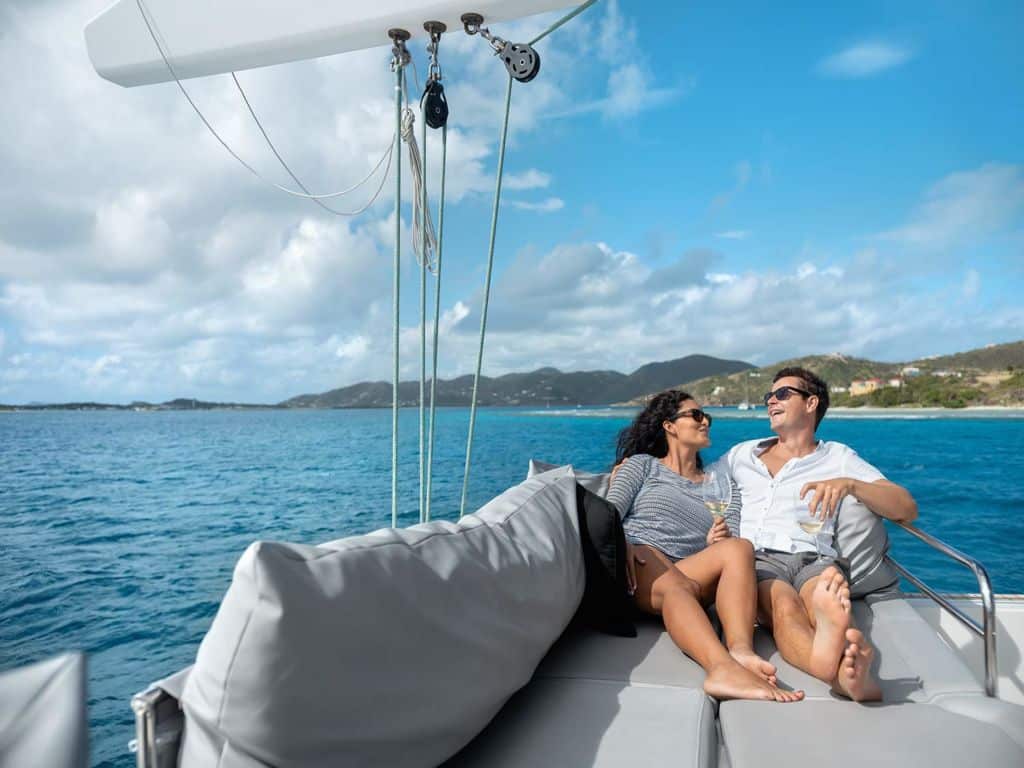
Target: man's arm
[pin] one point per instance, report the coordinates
(886, 499)
(883, 497)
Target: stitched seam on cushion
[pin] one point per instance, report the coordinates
(462, 531)
(617, 681)
(238, 645)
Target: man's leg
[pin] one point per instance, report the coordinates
(725, 573)
(826, 600)
(809, 634)
(853, 676)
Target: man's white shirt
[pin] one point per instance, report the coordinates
(772, 505)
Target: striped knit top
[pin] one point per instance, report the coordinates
(665, 510)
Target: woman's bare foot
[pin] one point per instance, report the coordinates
(754, 663)
(854, 678)
(831, 603)
(729, 680)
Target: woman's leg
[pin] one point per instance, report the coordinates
(665, 591)
(725, 573)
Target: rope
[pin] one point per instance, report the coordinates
(487, 296)
(396, 285)
(423, 324)
(568, 17)
(424, 242)
(305, 194)
(490, 256)
(437, 318)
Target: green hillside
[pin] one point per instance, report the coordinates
(992, 375)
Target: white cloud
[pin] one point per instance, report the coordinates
(531, 179)
(353, 348)
(549, 205)
(733, 234)
(964, 207)
(865, 59)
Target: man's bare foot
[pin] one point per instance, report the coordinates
(854, 678)
(831, 603)
(754, 663)
(729, 680)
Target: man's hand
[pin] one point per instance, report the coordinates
(632, 560)
(718, 531)
(827, 494)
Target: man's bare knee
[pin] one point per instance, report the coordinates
(787, 608)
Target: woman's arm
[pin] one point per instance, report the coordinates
(626, 482)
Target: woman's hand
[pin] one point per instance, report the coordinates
(718, 531)
(632, 560)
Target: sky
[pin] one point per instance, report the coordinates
(753, 182)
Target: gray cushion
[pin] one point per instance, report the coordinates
(651, 658)
(595, 482)
(911, 662)
(393, 648)
(42, 714)
(579, 723)
(862, 539)
(841, 734)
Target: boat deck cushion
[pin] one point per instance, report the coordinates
(579, 723)
(841, 734)
(912, 662)
(394, 648)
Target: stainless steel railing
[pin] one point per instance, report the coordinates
(987, 629)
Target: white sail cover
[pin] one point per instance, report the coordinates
(207, 37)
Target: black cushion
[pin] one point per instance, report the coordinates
(606, 605)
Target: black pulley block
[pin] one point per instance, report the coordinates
(521, 61)
(434, 104)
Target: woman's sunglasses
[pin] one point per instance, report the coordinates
(784, 393)
(696, 414)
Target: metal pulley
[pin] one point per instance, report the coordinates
(520, 59)
(434, 104)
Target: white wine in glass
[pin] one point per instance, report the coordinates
(812, 525)
(716, 490)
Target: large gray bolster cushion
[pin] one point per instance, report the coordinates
(394, 648)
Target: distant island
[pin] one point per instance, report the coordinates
(990, 376)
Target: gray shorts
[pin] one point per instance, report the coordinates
(795, 568)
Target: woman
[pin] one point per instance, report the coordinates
(678, 562)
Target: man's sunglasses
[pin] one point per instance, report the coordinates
(784, 393)
(696, 414)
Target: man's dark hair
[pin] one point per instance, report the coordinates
(813, 384)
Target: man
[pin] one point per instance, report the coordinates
(805, 599)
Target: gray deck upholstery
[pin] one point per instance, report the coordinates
(394, 648)
(934, 712)
(911, 662)
(604, 701)
(841, 734)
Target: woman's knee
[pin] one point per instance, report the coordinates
(736, 548)
(674, 584)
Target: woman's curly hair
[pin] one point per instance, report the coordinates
(646, 434)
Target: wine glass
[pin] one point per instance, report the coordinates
(809, 523)
(716, 490)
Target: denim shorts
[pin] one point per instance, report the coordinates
(795, 568)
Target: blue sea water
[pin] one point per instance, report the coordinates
(121, 529)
